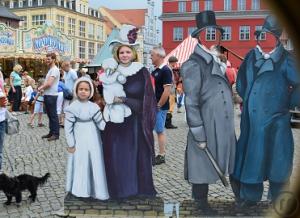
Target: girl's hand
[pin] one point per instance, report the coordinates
(71, 150)
(14, 91)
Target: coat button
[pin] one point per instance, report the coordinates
(254, 110)
(220, 83)
(224, 102)
(222, 91)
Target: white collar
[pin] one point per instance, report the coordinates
(130, 70)
(266, 55)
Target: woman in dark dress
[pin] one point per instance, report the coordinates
(129, 146)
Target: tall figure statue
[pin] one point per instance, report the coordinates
(210, 116)
(129, 144)
(269, 84)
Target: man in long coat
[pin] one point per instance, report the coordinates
(269, 86)
(210, 116)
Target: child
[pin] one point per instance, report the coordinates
(112, 81)
(85, 172)
(38, 102)
(27, 94)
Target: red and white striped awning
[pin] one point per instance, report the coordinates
(183, 51)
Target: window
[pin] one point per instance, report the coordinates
(241, 5)
(208, 5)
(177, 34)
(210, 34)
(99, 33)
(244, 32)
(262, 36)
(98, 47)
(7, 23)
(20, 3)
(82, 28)
(191, 30)
(60, 23)
(29, 3)
(72, 26)
(38, 19)
(195, 6)
(84, 9)
(91, 50)
(40, 2)
(91, 31)
(81, 49)
(227, 33)
(181, 7)
(11, 4)
(227, 5)
(23, 23)
(255, 5)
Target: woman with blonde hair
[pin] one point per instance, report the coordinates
(129, 146)
(16, 90)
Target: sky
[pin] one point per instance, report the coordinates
(129, 4)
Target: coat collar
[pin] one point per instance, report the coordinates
(267, 64)
(201, 52)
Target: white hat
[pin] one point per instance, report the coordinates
(83, 79)
(127, 36)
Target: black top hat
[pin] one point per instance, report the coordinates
(205, 19)
(271, 25)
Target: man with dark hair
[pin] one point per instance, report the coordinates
(172, 64)
(50, 88)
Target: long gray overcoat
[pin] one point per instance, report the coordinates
(210, 117)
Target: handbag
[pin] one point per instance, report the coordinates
(68, 95)
(13, 124)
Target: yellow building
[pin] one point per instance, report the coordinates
(74, 18)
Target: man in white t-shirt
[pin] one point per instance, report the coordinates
(50, 88)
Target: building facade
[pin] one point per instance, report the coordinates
(239, 18)
(74, 18)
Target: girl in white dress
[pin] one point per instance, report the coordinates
(85, 172)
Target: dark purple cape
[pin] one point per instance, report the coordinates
(149, 112)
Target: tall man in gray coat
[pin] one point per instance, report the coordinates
(210, 114)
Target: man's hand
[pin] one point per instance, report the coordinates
(71, 150)
(202, 145)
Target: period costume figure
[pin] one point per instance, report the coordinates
(269, 85)
(210, 115)
(129, 146)
(112, 81)
(85, 172)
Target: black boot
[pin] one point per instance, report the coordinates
(200, 193)
(168, 123)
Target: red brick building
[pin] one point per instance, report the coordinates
(239, 18)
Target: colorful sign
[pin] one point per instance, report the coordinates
(47, 39)
(7, 39)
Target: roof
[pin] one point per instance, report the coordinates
(134, 17)
(4, 12)
(109, 25)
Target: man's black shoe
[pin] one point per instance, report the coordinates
(171, 126)
(53, 138)
(204, 206)
(46, 136)
(160, 159)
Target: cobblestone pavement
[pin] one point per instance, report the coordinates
(28, 153)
